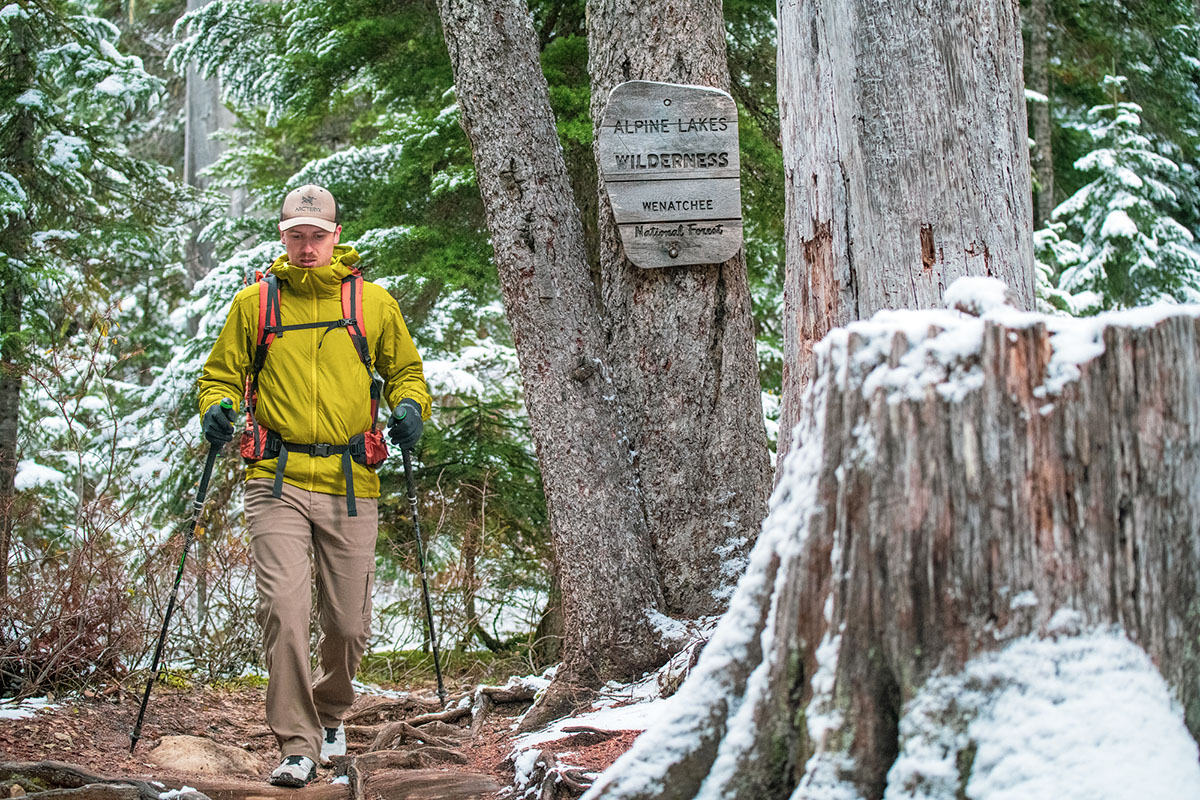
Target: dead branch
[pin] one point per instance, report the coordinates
(430, 783)
(445, 730)
(574, 779)
(231, 789)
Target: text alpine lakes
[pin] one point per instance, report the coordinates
(692, 125)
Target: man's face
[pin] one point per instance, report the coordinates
(309, 246)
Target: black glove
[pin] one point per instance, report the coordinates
(218, 423)
(404, 427)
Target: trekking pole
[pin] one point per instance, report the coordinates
(412, 504)
(197, 507)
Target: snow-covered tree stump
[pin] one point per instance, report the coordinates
(984, 528)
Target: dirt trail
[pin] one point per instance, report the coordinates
(93, 734)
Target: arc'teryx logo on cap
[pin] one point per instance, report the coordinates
(309, 205)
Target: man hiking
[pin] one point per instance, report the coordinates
(300, 346)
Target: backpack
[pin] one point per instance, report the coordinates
(259, 443)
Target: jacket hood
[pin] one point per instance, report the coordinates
(345, 259)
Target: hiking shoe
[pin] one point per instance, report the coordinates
(334, 743)
(295, 771)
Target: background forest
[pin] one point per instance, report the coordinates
(127, 234)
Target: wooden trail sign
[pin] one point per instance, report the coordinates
(670, 162)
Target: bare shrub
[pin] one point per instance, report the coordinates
(68, 623)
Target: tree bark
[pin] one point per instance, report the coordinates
(604, 555)
(906, 162)
(10, 406)
(937, 509)
(204, 115)
(16, 158)
(681, 338)
(1039, 81)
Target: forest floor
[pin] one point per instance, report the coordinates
(94, 733)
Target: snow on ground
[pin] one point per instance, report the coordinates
(378, 691)
(619, 706)
(1084, 716)
(23, 709)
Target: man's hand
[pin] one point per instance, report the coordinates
(218, 423)
(404, 427)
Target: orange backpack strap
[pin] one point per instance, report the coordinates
(352, 311)
(268, 326)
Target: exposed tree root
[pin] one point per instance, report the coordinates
(555, 781)
(390, 709)
(561, 699)
(62, 777)
(452, 715)
(397, 732)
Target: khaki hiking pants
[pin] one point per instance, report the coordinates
(289, 535)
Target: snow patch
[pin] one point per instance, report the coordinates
(939, 349)
(31, 474)
(24, 709)
(1043, 719)
(1118, 225)
(977, 295)
(671, 630)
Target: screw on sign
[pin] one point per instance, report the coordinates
(670, 162)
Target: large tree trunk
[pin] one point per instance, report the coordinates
(959, 484)
(204, 115)
(1039, 81)
(681, 338)
(17, 156)
(11, 371)
(906, 161)
(605, 561)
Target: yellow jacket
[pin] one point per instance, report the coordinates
(313, 387)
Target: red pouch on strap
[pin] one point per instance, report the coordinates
(254, 442)
(368, 448)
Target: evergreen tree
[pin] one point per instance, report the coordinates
(87, 255)
(1132, 251)
(1156, 44)
(87, 222)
